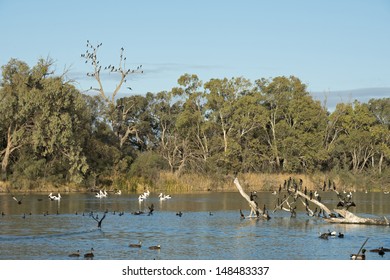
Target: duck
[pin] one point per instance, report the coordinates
(157, 247)
(89, 255)
(118, 192)
(361, 256)
(340, 235)
(75, 254)
(136, 245)
(179, 213)
(324, 235)
(137, 213)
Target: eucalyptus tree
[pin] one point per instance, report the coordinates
(294, 126)
(222, 97)
(61, 125)
(381, 130)
(17, 89)
(191, 123)
(355, 143)
(165, 111)
(45, 113)
(116, 114)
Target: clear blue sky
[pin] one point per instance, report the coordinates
(338, 48)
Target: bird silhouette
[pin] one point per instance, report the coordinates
(151, 209)
(242, 214)
(19, 201)
(99, 221)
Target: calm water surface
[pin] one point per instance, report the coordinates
(196, 235)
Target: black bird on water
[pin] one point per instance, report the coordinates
(179, 213)
(151, 209)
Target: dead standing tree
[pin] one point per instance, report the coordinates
(116, 113)
(341, 216)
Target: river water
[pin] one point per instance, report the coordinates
(210, 228)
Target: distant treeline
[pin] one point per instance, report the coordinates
(52, 132)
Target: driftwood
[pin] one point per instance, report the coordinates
(341, 216)
(346, 217)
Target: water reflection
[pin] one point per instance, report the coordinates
(43, 229)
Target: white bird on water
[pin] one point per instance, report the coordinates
(101, 194)
(53, 197)
(164, 197)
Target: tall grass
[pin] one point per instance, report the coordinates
(168, 182)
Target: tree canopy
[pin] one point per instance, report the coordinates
(51, 131)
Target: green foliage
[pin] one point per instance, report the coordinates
(51, 132)
(148, 166)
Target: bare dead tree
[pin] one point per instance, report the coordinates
(288, 203)
(117, 113)
(256, 212)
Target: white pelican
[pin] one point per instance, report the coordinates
(141, 197)
(164, 197)
(101, 194)
(53, 197)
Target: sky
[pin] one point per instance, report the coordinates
(339, 49)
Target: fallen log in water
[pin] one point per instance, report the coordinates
(341, 216)
(346, 217)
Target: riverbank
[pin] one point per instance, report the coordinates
(168, 182)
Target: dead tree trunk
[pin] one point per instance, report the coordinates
(256, 212)
(341, 216)
(346, 217)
